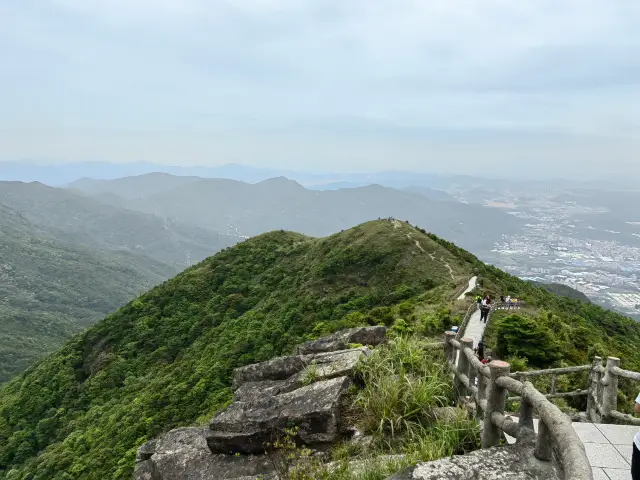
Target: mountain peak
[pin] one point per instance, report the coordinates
(280, 182)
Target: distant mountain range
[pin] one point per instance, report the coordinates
(246, 209)
(96, 224)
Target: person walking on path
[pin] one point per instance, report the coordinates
(485, 308)
(635, 458)
(480, 350)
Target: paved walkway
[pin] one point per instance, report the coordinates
(609, 448)
(472, 285)
(475, 328)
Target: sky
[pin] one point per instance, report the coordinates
(533, 87)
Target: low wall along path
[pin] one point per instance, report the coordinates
(606, 446)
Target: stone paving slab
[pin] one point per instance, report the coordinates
(475, 328)
(598, 474)
(589, 433)
(605, 456)
(626, 451)
(472, 285)
(616, 474)
(618, 434)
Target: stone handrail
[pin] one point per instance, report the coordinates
(507, 306)
(554, 372)
(465, 321)
(602, 397)
(555, 432)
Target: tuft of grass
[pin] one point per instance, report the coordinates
(403, 383)
(310, 374)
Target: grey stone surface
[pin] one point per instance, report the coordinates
(316, 367)
(279, 368)
(449, 414)
(618, 434)
(604, 456)
(598, 474)
(340, 340)
(182, 454)
(246, 426)
(617, 473)
(249, 391)
(626, 451)
(146, 450)
(589, 433)
(514, 462)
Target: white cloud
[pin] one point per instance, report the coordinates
(567, 66)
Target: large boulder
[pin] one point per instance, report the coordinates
(285, 374)
(279, 368)
(340, 340)
(245, 427)
(513, 462)
(182, 454)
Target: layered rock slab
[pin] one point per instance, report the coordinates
(183, 454)
(341, 340)
(245, 427)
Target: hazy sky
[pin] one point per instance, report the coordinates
(431, 85)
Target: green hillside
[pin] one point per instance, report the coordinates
(165, 359)
(50, 290)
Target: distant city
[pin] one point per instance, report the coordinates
(554, 247)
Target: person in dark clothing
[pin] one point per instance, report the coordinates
(485, 308)
(635, 457)
(480, 350)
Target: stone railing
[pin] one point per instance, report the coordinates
(602, 399)
(554, 372)
(465, 320)
(489, 386)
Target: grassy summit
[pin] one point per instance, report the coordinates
(166, 359)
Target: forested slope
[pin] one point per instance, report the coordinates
(50, 289)
(165, 359)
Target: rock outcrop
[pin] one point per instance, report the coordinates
(513, 462)
(246, 427)
(302, 390)
(340, 340)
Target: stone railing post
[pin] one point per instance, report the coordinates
(592, 390)
(463, 366)
(482, 394)
(449, 349)
(544, 449)
(610, 392)
(496, 400)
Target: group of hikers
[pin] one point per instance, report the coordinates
(485, 304)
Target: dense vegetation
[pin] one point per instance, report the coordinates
(50, 290)
(67, 260)
(166, 358)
